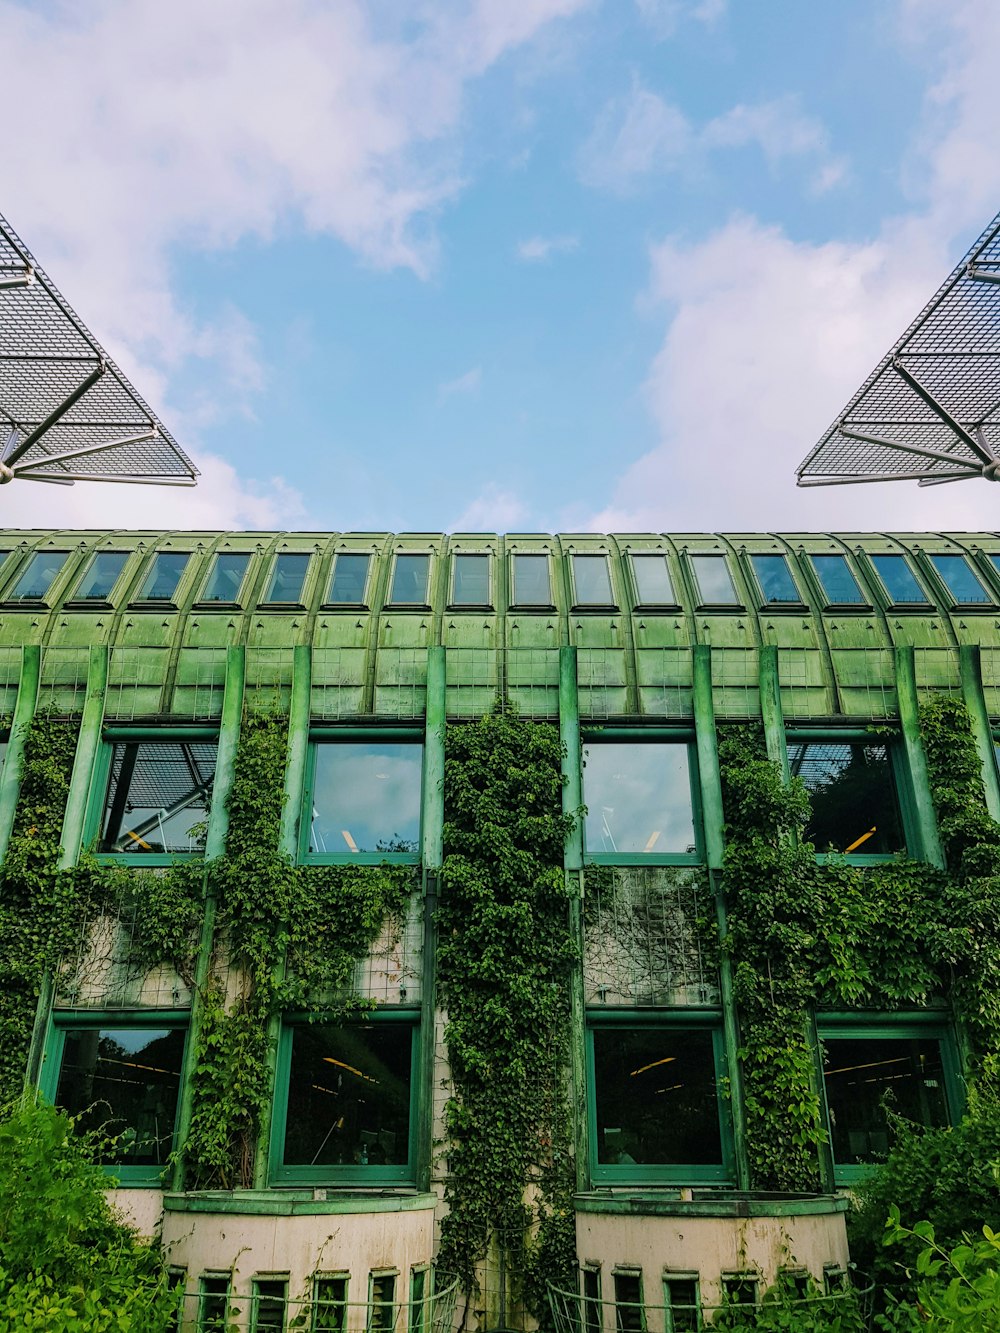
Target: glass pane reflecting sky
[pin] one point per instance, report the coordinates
(715, 583)
(102, 574)
(960, 579)
(531, 580)
(652, 580)
(592, 580)
(775, 578)
(366, 798)
(638, 798)
(350, 574)
(838, 583)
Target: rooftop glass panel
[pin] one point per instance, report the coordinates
(531, 581)
(961, 580)
(471, 580)
(101, 575)
(592, 580)
(37, 579)
(839, 585)
(409, 580)
(899, 580)
(287, 577)
(652, 580)
(349, 578)
(715, 583)
(775, 579)
(161, 582)
(227, 577)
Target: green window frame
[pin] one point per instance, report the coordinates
(714, 585)
(289, 574)
(838, 582)
(683, 739)
(38, 577)
(652, 581)
(898, 581)
(163, 578)
(362, 738)
(126, 738)
(962, 582)
(329, 1301)
(226, 579)
(66, 1021)
(382, 1298)
(667, 1173)
(776, 581)
(630, 1306)
(214, 1294)
(411, 580)
(421, 1308)
(590, 1290)
(268, 1302)
(469, 569)
(102, 574)
(901, 788)
(344, 579)
(931, 1027)
(682, 1302)
(528, 591)
(354, 1173)
(590, 574)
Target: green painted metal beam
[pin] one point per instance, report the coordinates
(925, 822)
(24, 711)
(215, 843)
(970, 666)
(432, 813)
(710, 786)
(771, 710)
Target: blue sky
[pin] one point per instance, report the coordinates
(500, 264)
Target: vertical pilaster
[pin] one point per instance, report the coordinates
(922, 806)
(24, 711)
(713, 820)
(74, 823)
(970, 665)
(215, 844)
(432, 856)
(572, 800)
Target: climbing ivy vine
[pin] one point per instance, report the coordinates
(506, 952)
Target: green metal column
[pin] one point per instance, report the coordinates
(929, 848)
(432, 856)
(215, 845)
(710, 783)
(74, 822)
(299, 712)
(24, 711)
(975, 701)
(572, 801)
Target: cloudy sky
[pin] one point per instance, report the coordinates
(475, 264)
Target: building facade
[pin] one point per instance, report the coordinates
(362, 652)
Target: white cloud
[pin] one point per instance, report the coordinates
(641, 135)
(467, 383)
(537, 249)
(664, 17)
(493, 510)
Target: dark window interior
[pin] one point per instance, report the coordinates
(158, 796)
(350, 575)
(853, 793)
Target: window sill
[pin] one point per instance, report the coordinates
(25, 604)
(286, 1202)
(720, 608)
(153, 604)
(146, 858)
(215, 605)
(595, 609)
(88, 604)
(359, 1179)
(643, 1177)
(848, 608)
(280, 606)
(470, 606)
(536, 608)
(646, 859)
(360, 859)
(423, 607)
(345, 606)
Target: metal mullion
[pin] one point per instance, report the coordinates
(124, 782)
(24, 711)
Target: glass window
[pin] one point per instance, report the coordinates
(365, 798)
(592, 580)
(652, 580)
(839, 585)
(638, 799)
(164, 575)
(268, 1303)
(409, 580)
(854, 803)
(531, 581)
(775, 579)
(287, 578)
(124, 1082)
(961, 580)
(37, 579)
(349, 1096)
(471, 585)
(349, 579)
(715, 583)
(102, 574)
(158, 796)
(899, 580)
(329, 1302)
(630, 1313)
(227, 577)
(656, 1098)
(866, 1077)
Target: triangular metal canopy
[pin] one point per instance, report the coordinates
(67, 413)
(930, 410)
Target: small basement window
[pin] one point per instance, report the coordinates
(101, 575)
(158, 795)
(268, 1304)
(630, 1311)
(42, 570)
(682, 1302)
(365, 800)
(160, 583)
(840, 587)
(349, 579)
(213, 1302)
(329, 1313)
(382, 1305)
(852, 789)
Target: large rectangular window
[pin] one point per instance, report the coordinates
(775, 578)
(287, 578)
(592, 581)
(652, 581)
(38, 577)
(160, 583)
(101, 575)
(349, 579)
(840, 587)
(655, 1106)
(873, 1074)
(471, 580)
(963, 583)
(364, 800)
(345, 1109)
(899, 580)
(157, 796)
(409, 580)
(639, 799)
(227, 576)
(122, 1078)
(532, 584)
(713, 581)
(852, 789)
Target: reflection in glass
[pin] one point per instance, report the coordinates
(158, 796)
(652, 580)
(39, 576)
(227, 576)
(899, 580)
(409, 580)
(592, 580)
(853, 794)
(164, 575)
(839, 585)
(287, 578)
(349, 1095)
(472, 580)
(102, 574)
(366, 798)
(864, 1076)
(715, 583)
(656, 1097)
(350, 575)
(960, 579)
(124, 1081)
(531, 581)
(638, 798)
(775, 578)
